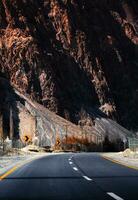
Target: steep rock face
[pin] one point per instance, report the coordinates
(70, 54)
(9, 112)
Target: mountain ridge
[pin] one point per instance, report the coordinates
(73, 55)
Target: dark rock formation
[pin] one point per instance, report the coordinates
(71, 55)
(9, 113)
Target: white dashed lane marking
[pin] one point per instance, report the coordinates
(114, 196)
(75, 168)
(87, 178)
(111, 194)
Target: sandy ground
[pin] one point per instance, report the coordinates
(131, 160)
(10, 161)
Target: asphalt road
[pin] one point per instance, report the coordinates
(84, 176)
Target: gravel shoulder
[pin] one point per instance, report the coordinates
(130, 161)
(8, 162)
(18, 157)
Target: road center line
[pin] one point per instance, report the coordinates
(114, 196)
(84, 176)
(75, 168)
(87, 178)
(71, 157)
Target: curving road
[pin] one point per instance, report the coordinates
(84, 176)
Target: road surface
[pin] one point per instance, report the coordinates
(82, 176)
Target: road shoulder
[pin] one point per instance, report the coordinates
(11, 163)
(120, 159)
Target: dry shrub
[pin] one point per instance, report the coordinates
(75, 140)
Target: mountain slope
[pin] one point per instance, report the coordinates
(72, 55)
(22, 118)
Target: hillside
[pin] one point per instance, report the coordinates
(22, 118)
(76, 58)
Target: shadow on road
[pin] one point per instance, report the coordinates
(64, 177)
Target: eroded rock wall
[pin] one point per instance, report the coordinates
(70, 54)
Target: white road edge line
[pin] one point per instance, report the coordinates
(114, 196)
(87, 178)
(75, 168)
(70, 163)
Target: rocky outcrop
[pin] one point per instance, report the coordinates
(73, 55)
(24, 122)
(9, 112)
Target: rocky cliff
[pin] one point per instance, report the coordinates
(73, 55)
(24, 121)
